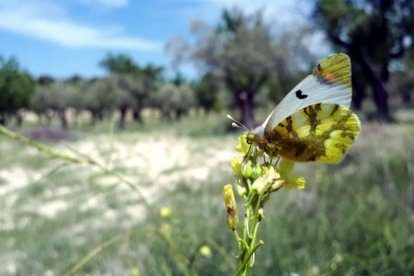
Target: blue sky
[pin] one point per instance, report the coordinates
(66, 37)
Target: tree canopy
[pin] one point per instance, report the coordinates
(239, 50)
(16, 88)
(373, 33)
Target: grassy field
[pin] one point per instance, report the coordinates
(354, 218)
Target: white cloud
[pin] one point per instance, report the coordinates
(49, 22)
(107, 3)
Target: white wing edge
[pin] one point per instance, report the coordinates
(332, 94)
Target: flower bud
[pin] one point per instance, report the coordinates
(231, 205)
(165, 212)
(134, 271)
(247, 169)
(269, 177)
(256, 171)
(243, 147)
(261, 213)
(241, 190)
(236, 167)
(205, 251)
(251, 171)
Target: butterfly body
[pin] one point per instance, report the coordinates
(313, 122)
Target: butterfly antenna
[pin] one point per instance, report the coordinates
(236, 123)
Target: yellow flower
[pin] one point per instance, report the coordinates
(236, 167)
(286, 167)
(243, 147)
(231, 205)
(165, 212)
(292, 182)
(295, 182)
(134, 271)
(205, 251)
(270, 179)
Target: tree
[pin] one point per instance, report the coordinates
(56, 97)
(373, 33)
(173, 101)
(119, 64)
(401, 86)
(246, 58)
(137, 82)
(240, 50)
(206, 91)
(144, 84)
(120, 86)
(99, 98)
(16, 88)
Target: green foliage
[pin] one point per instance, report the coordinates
(401, 87)
(99, 98)
(379, 28)
(243, 55)
(16, 88)
(132, 83)
(173, 101)
(373, 33)
(240, 51)
(119, 64)
(120, 86)
(55, 98)
(206, 92)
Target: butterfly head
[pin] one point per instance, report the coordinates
(256, 138)
(270, 148)
(252, 139)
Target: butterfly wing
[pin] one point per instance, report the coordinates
(330, 83)
(319, 132)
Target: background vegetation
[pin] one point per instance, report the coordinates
(169, 137)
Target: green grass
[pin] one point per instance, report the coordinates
(354, 218)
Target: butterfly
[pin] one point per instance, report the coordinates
(313, 122)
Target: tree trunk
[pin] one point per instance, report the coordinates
(381, 100)
(2, 119)
(245, 103)
(379, 93)
(358, 96)
(94, 117)
(121, 122)
(19, 119)
(136, 115)
(63, 120)
(358, 87)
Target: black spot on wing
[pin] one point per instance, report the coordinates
(300, 95)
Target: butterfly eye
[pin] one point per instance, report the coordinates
(250, 138)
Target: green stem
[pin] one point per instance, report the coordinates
(251, 214)
(181, 260)
(96, 251)
(245, 262)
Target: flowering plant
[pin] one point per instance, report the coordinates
(256, 178)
